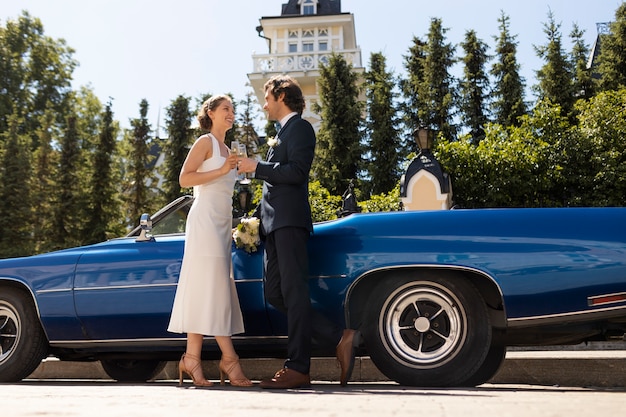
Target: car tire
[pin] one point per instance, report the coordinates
(489, 368)
(428, 329)
(23, 343)
(130, 370)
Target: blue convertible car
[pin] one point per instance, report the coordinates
(437, 295)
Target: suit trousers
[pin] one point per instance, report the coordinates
(287, 289)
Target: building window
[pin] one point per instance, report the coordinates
(293, 48)
(307, 46)
(293, 34)
(308, 33)
(323, 46)
(307, 7)
(322, 33)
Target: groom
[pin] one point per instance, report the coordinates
(286, 222)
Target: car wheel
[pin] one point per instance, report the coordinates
(128, 370)
(23, 343)
(430, 329)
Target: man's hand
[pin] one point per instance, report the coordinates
(246, 165)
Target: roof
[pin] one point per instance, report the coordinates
(324, 7)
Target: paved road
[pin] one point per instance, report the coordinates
(58, 398)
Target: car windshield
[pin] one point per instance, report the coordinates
(170, 219)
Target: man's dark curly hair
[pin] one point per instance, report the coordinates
(294, 99)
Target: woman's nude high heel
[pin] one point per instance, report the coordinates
(227, 366)
(197, 363)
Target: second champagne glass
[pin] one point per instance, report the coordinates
(243, 153)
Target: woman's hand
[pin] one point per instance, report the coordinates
(229, 164)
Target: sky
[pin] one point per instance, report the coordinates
(129, 50)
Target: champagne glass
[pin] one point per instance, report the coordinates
(242, 153)
(234, 147)
(234, 150)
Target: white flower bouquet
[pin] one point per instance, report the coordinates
(246, 234)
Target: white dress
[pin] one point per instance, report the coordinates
(206, 298)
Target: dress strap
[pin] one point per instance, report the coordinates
(216, 145)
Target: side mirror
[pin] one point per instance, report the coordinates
(145, 222)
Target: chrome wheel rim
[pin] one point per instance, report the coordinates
(9, 332)
(423, 325)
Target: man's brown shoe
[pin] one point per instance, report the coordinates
(287, 378)
(345, 354)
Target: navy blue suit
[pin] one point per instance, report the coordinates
(287, 224)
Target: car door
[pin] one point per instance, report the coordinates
(125, 289)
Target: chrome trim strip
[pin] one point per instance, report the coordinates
(118, 287)
(125, 287)
(340, 276)
(578, 315)
(54, 290)
(248, 280)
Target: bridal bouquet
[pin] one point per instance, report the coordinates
(246, 234)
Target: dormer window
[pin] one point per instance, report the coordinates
(308, 7)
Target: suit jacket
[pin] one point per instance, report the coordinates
(285, 173)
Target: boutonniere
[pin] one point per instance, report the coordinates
(273, 142)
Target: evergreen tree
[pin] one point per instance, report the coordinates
(177, 145)
(612, 57)
(508, 93)
(474, 86)
(338, 151)
(246, 119)
(45, 164)
(140, 161)
(104, 214)
(441, 94)
(384, 139)
(15, 199)
(68, 207)
(414, 106)
(555, 77)
(582, 84)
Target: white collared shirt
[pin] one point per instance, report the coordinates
(285, 119)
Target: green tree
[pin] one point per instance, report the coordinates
(414, 106)
(324, 206)
(602, 126)
(441, 94)
(474, 87)
(612, 57)
(15, 198)
(68, 205)
(383, 156)
(104, 208)
(35, 73)
(508, 92)
(583, 85)
(555, 76)
(338, 151)
(139, 175)
(246, 120)
(176, 147)
(45, 173)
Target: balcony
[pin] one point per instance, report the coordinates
(305, 61)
